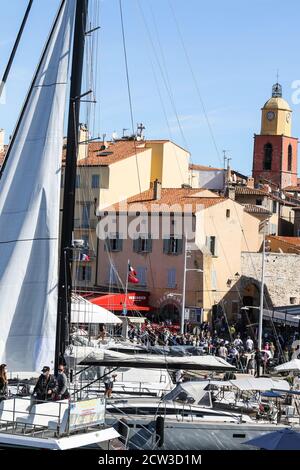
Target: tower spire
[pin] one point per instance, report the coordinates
(277, 88)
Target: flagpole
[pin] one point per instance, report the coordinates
(126, 289)
(125, 321)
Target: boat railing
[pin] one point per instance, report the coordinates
(147, 436)
(24, 415)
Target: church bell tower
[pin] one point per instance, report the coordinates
(275, 150)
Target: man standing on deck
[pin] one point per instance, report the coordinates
(45, 386)
(61, 392)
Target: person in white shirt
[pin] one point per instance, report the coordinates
(223, 352)
(249, 344)
(108, 380)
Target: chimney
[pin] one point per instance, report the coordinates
(231, 192)
(83, 138)
(250, 182)
(157, 189)
(2, 134)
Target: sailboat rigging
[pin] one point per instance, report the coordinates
(15, 47)
(30, 199)
(65, 281)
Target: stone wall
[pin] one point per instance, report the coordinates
(282, 275)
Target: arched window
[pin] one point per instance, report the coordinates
(268, 151)
(290, 158)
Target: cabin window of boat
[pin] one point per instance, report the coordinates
(227, 213)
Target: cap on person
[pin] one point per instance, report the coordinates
(45, 369)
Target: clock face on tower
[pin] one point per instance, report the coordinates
(270, 115)
(288, 117)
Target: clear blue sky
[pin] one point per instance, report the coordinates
(235, 49)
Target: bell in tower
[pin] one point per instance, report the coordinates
(277, 91)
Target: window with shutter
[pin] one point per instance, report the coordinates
(141, 275)
(84, 273)
(173, 246)
(213, 280)
(166, 244)
(172, 278)
(212, 245)
(136, 245)
(179, 246)
(112, 277)
(95, 181)
(114, 243)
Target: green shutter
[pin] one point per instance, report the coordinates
(120, 244)
(136, 245)
(166, 247)
(149, 243)
(179, 246)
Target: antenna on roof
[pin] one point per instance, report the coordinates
(140, 131)
(225, 158)
(124, 130)
(103, 146)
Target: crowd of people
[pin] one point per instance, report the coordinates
(233, 344)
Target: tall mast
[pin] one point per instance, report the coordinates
(65, 281)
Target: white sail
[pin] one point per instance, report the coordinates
(29, 212)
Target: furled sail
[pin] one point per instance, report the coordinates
(29, 211)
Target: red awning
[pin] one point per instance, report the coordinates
(116, 302)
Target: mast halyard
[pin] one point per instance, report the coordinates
(65, 281)
(15, 48)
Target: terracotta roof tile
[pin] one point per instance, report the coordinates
(185, 197)
(251, 208)
(114, 152)
(245, 190)
(193, 166)
(290, 240)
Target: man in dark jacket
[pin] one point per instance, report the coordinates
(62, 384)
(46, 385)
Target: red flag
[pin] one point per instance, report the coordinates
(132, 275)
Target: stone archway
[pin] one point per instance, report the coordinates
(169, 311)
(250, 293)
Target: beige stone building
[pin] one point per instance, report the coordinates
(222, 230)
(109, 172)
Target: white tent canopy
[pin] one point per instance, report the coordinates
(153, 361)
(84, 311)
(293, 365)
(259, 384)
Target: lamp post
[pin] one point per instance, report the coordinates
(261, 302)
(184, 286)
